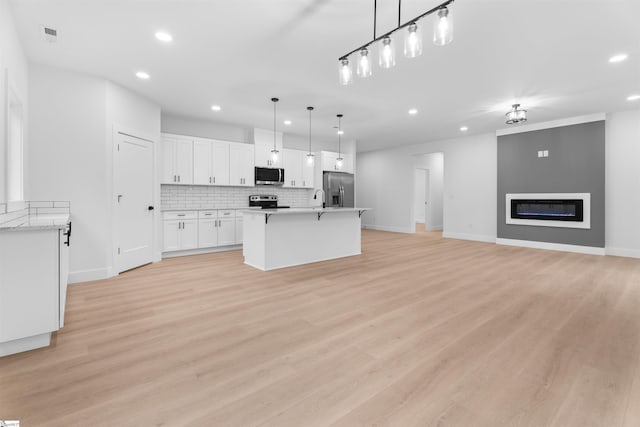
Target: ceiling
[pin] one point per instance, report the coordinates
(549, 55)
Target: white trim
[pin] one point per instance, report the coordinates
(586, 210)
(473, 237)
(624, 252)
(392, 229)
(589, 250)
(201, 251)
(25, 344)
(552, 124)
(89, 275)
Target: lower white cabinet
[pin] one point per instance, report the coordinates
(216, 228)
(239, 225)
(180, 231)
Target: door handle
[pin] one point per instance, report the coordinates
(119, 197)
(150, 208)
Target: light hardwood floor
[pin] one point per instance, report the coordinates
(418, 330)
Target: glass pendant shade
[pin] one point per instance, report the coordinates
(412, 41)
(310, 158)
(339, 162)
(387, 53)
(516, 115)
(274, 155)
(345, 72)
(443, 28)
(364, 64)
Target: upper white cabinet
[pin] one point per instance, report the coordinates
(329, 161)
(210, 162)
(298, 173)
(263, 141)
(178, 160)
(241, 169)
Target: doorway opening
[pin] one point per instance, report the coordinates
(428, 192)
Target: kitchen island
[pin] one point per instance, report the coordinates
(277, 238)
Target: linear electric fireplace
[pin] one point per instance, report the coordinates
(549, 209)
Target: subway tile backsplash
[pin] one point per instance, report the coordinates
(210, 197)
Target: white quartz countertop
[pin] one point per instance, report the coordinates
(309, 210)
(37, 222)
(210, 209)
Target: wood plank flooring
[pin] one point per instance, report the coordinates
(417, 331)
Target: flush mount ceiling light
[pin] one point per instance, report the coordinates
(274, 152)
(442, 35)
(618, 58)
(310, 156)
(633, 97)
(216, 108)
(164, 37)
(516, 115)
(142, 75)
(463, 128)
(413, 111)
(287, 122)
(339, 159)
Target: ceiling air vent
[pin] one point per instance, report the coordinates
(50, 34)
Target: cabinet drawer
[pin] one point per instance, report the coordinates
(226, 213)
(180, 215)
(208, 214)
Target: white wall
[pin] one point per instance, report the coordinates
(622, 205)
(71, 156)
(14, 63)
(419, 194)
(385, 183)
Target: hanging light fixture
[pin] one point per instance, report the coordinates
(339, 160)
(442, 35)
(310, 156)
(443, 28)
(387, 53)
(364, 63)
(516, 115)
(412, 41)
(274, 152)
(346, 75)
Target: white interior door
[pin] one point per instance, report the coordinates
(133, 190)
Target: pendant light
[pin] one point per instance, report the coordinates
(387, 53)
(412, 41)
(516, 115)
(339, 159)
(443, 28)
(310, 156)
(345, 72)
(364, 63)
(274, 152)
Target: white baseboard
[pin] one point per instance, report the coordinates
(589, 250)
(174, 254)
(625, 252)
(387, 228)
(89, 275)
(465, 236)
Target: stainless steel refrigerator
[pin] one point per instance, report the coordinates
(339, 189)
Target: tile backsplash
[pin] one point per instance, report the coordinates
(210, 197)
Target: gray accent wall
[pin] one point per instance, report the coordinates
(576, 164)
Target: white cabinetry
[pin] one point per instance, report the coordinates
(178, 160)
(298, 173)
(180, 231)
(241, 170)
(329, 161)
(239, 225)
(210, 162)
(263, 141)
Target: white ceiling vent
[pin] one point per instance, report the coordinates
(50, 34)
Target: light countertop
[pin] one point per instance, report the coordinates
(37, 222)
(209, 209)
(306, 210)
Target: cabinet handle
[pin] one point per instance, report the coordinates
(178, 226)
(209, 180)
(178, 178)
(214, 179)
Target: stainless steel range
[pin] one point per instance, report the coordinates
(265, 201)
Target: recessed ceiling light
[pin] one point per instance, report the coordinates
(287, 122)
(142, 75)
(618, 58)
(340, 132)
(413, 111)
(463, 128)
(164, 37)
(633, 97)
(216, 107)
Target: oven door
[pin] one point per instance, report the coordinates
(269, 176)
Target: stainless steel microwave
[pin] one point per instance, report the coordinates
(269, 176)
